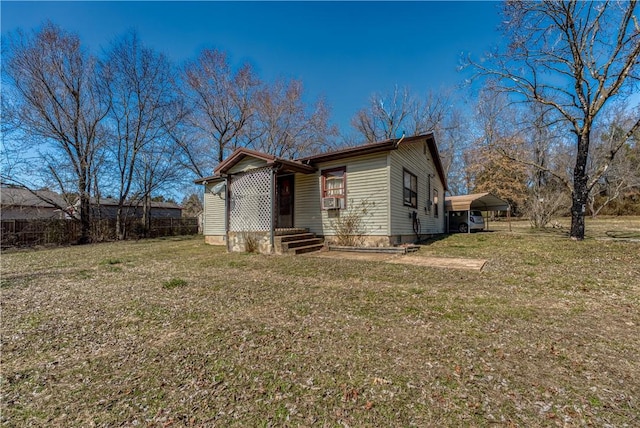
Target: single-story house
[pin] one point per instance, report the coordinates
(18, 203)
(394, 189)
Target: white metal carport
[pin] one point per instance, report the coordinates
(477, 201)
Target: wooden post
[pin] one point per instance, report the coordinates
(272, 184)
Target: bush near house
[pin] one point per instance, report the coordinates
(545, 335)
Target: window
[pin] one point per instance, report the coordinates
(334, 182)
(435, 202)
(410, 189)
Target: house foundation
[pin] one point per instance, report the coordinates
(215, 240)
(250, 242)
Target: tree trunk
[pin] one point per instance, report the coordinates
(146, 215)
(85, 218)
(85, 208)
(120, 223)
(580, 194)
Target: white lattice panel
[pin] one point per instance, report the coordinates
(250, 201)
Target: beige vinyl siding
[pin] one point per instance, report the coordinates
(213, 212)
(247, 164)
(306, 202)
(413, 158)
(367, 179)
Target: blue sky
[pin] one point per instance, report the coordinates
(342, 51)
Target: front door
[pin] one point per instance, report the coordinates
(284, 208)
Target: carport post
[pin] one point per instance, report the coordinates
(486, 222)
(469, 219)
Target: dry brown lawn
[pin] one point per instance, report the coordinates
(174, 332)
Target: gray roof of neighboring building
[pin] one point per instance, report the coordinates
(17, 196)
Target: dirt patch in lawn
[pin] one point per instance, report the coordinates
(439, 262)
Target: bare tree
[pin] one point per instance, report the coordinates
(385, 115)
(142, 95)
(388, 116)
(285, 127)
(13, 143)
(547, 202)
(497, 174)
(221, 102)
(573, 57)
(519, 141)
(550, 186)
(58, 101)
(156, 171)
(433, 112)
(192, 205)
(455, 138)
(623, 174)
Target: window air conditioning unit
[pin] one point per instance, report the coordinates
(331, 203)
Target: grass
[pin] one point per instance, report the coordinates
(545, 335)
(174, 283)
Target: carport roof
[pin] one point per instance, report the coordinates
(476, 201)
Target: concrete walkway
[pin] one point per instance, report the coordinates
(438, 262)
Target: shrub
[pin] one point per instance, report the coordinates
(349, 225)
(250, 243)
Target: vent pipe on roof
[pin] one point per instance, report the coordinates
(400, 140)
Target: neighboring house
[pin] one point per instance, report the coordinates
(106, 208)
(397, 186)
(22, 204)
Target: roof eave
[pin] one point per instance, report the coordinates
(351, 152)
(237, 156)
(205, 180)
(294, 166)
